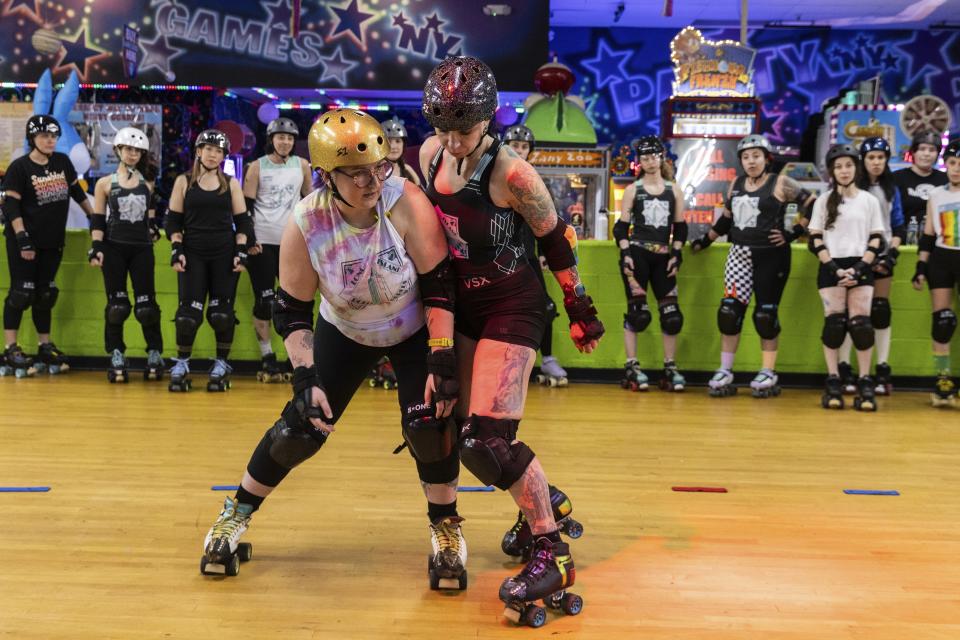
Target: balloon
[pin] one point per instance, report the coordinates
(234, 134)
(80, 158)
(267, 112)
(249, 139)
(506, 116)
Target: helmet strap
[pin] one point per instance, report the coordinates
(336, 192)
(460, 161)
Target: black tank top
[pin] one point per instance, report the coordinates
(755, 213)
(207, 220)
(485, 240)
(127, 212)
(653, 215)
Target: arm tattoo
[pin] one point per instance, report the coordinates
(304, 346)
(509, 394)
(533, 200)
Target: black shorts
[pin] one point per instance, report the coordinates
(650, 268)
(826, 278)
(943, 271)
(510, 309)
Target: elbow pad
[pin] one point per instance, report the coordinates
(11, 209)
(927, 243)
(174, 222)
(621, 231)
(876, 250)
(291, 314)
(558, 245)
(438, 287)
(77, 193)
(680, 230)
(722, 226)
(98, 222)
(243, 223)
(814, 248)
(900, 232)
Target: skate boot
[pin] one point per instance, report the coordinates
(721, 384)
(180, 375)
(671, 380)
(222, 550)
(16, 363)
(832, 397)
(51, 359)
(551, 373)
(945, 392)
(518, 541)
(848, 381)
(633, 378)
(548, 575)
(154, 369)
(270, 369)
(884, 386)
(765, 384)
(118, 367)
(866, 399)
(447, 565)
(219, 375)
(382, 375)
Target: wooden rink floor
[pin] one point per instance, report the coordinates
(113, 550)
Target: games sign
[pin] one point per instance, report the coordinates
(705, 68)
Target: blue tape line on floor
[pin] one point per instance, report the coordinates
(224, 487)
(870, 492)
(476, 489)
(24, 489)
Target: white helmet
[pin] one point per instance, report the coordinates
(131, 137)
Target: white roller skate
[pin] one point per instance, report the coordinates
(551, 373)
(721, 384)
(447, 565)
(765, 384)
(180, 375)
(222, 550)
(219, 375)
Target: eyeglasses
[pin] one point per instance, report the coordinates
(364, 177)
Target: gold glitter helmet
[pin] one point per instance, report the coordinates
(346, 138)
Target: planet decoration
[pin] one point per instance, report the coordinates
(45, 41)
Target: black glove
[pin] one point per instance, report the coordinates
(677, 255)
(442, 363)
(794, 233)
(176, 251)
(581, 312)
(153, 227)
(96, 246)
(921, 271)
(702, 242)
(24, 243)
(240, 252)
(860, 269)
(304, 381)
(884, 264)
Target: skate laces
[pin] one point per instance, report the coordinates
(945, 384)
(518, 525)
(447, 533)
(117, 359)
(542, 558)
(180, 366)
(230, 520)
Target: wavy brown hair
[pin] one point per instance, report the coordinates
(835, 199)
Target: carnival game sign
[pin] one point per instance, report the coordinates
(705, 68)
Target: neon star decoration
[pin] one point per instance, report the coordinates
(158, 53)
(78, 52)
(337, 67)
(349, 22)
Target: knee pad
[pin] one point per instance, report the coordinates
(861, 332)
(147, 311)
(638, 317)
(488, 451)
(20, 299)
(944, 324)
(118, 308)
(430, 439)
(880, 313)
(730, 316)
(263, 307)
(671, 320)
(291, 441)
(221, 317)
(46, 298)
(187, 321)
(766, 321)
(834, 330)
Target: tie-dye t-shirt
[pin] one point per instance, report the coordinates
(367, 280)
(946, 218)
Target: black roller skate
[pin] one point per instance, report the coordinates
(633, 378)
(51, 359)
(866, 399)
(765, 384)
(270, 369)
(945, 392)
(222, 550)
(447, 565)
(548, 575)
(848, 381)
(118, 367)
(154, 368)
(884, 386)
(383, 375)
(219, 375)
(551, 373)
(672, 380)
(518, 541)
(721, 384)
(180, 375)
(16, 363)
(833, 393)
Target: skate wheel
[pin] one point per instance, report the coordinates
(572, 604)
(233, 566)
(552, 382)
(534, 616)
(624, 384)
(373, 383)
(541, 379)
(563, 382)
(262, 377)
(245, 551)
(574, 529)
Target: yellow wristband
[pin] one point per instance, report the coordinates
(440, 342)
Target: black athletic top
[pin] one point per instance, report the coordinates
(653, 215)
(207, 220)
(127, 213)
(755, 213)
(914, 192)
(44, 197)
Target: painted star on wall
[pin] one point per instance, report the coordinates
(78, 52)
(918, 49)
(279, 13)
(158, 53)
(433, 22)
(608, 66)
(349, 22)
(30, 8)
(337, 67)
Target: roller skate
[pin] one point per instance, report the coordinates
(551, 373)
(383, 375)
(945, 392)
(222, 550)
(832, 397)
(884, 386)
(764, 384)
(548, 575)
(154, 368)
(270, 369)
(16, 363)
(517, 542)
(180, 375)
(848, 381)
(633, 378)
(721, 384)
(447, 565)
(118, 367)
(51, 359)
(672, 380)
(219, 375)
(866, 399)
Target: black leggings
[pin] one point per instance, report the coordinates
(264, 269)
(213, 276)
(342, 365)
(31, 284)
(762, 272)
(137, 260)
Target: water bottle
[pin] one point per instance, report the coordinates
(912, 228)
(601, 225)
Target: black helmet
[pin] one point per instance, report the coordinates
(214, 137)
(282, 125)
(926, 137)
(648, 145)
(518, 133)
(394, 128)
(42, 124)
(952, 150)
(876, 143)
(460, 92)
(844, 150)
